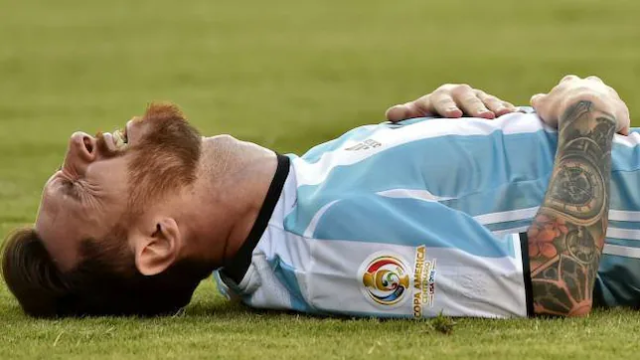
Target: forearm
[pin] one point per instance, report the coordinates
(567, 235)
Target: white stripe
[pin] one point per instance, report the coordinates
(316, 173)
(308, 233)
(618, 250)
(528, 213)
(619, 215)
(506, 216)
(501, 233)
(517, 246)
(498, 217)
(626, 234)
(413, 194)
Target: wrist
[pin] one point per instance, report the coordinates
(597, 104)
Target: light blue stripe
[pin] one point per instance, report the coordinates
(409, 222)
(622, 242)
(222, 288)
(618, 283)
(625, 225)
(625, 190)
(286, 274)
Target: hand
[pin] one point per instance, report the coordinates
(452, 101)
(571, 89)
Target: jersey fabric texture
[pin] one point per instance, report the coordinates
(422, 217)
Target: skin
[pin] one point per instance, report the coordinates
(567, 235)
(88, 195)
(452, 101)
(207, 220)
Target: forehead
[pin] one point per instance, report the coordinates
(64, 220)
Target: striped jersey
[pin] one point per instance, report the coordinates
(422, 217)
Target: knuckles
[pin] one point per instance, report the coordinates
(453, 89)
(461, 90)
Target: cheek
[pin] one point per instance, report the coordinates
(107, 185)
(109, 176)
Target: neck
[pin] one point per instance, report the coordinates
(233, 179)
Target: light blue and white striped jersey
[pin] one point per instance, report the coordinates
(415, 218)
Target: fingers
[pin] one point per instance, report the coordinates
(466, 99)
(438, 103)
(444, 105)
(495, 105)
(413, 109)
(624, 121)
(403, 112)
(624, 131)
(594, 78)
(397, 113)
(510, 108)
(452, 101)
(569, 78)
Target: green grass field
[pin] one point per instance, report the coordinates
(286, 74)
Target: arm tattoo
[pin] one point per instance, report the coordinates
(567, 234)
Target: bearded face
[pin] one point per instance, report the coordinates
(108, 181)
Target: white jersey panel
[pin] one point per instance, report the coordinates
(403, 281)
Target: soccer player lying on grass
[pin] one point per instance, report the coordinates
(470, 217)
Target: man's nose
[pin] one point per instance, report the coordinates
(82, 152)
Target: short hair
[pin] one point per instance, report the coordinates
(100, 285)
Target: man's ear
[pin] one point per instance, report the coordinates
(157, 246)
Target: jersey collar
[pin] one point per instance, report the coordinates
(236, 267)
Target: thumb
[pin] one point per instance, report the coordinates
(536, 99)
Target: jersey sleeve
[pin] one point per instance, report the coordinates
(400, 257)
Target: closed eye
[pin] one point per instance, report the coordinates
(68, 188)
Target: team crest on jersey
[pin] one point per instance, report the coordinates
(385, 279)
(388, 280)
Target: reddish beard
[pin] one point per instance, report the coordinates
(164, 161)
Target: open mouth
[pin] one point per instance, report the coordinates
(120, 138)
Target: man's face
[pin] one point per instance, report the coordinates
(105, 183)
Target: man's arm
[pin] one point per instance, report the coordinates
(567, 235)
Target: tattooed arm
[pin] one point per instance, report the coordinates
(567, 235)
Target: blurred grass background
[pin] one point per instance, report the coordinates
(286, 74)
